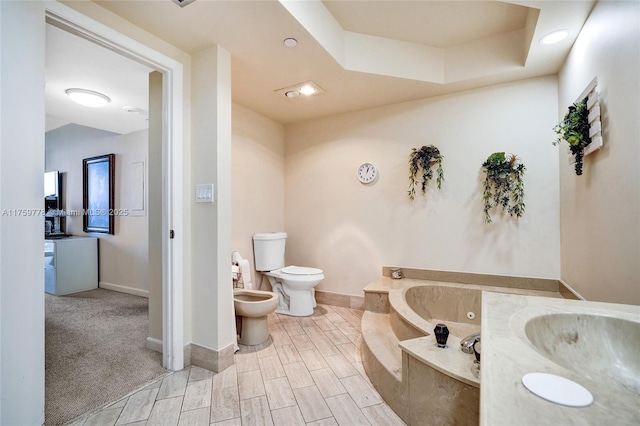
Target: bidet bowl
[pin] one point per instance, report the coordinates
(252, 308)
(599, 347)
(254, 303)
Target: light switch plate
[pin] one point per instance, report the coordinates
(204, 193)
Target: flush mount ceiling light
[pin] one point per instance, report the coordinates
(554, 37)
(88, 98)
(305, 89)
(290, 42)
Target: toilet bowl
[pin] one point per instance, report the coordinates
(252, 308)
(295, 286)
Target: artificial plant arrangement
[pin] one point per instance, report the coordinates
(503, 184)
(574, 128)
(421, 163)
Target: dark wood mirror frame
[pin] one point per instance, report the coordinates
(97, 193)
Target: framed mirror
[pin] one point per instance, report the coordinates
(97, 194)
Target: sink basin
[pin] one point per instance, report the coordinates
(599, 347)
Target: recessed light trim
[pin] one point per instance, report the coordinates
(554, 37)
(290, 42)
(88, 98)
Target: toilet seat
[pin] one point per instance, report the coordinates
(300, 270)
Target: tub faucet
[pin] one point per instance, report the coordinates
(466, 344)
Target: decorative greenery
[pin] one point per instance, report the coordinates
(574, 128)
(421, 162)
(503, 184)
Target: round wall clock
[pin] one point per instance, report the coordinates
(367, 173)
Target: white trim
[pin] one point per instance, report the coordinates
(124, 289)
(172, 130)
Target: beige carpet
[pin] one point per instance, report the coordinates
(94, 351)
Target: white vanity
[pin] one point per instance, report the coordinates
(70, 265)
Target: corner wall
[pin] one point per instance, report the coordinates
(600, 210)
(351, 230)
(258, 181)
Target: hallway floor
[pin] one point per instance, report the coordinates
(308, 373)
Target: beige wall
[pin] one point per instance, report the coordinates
(600, 210)
(124, 255)
(258, 180)
(351, 230)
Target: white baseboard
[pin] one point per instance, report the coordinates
(124, 289)
(154, 344)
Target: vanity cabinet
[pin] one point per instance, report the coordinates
(70, 265)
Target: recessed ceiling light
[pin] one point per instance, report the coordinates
(307, 88)
(554, 37)
(290, 42)
(88, 97)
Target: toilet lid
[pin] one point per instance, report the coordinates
(301, 270)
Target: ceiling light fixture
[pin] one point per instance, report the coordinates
(88, 98)
(307, 88)
(290, 42)
(554, 37)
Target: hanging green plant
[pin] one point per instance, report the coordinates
(574, 128)
(421, 163)
(503, 184)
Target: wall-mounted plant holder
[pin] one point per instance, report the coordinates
(595, 124)
(581, 127)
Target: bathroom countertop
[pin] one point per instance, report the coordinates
(507, 355)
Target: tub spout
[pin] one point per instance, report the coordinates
(466, 344)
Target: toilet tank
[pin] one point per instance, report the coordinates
(268, 250)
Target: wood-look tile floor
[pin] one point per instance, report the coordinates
(308, 373)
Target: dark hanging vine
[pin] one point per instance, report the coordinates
(503, 185)
(421, 163)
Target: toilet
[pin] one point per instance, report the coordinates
(294, 284)
(252, 308)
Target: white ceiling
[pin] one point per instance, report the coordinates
(361, 53)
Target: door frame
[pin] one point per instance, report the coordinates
(172, 165)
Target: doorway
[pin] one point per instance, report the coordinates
(172, 171)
